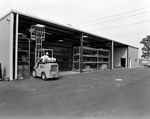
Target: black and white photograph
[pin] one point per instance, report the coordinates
(74, 59)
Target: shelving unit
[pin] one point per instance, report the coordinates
(96, 59)
(24, 56)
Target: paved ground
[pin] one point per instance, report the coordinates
(122, 94)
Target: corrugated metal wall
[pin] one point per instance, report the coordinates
(6, 47)
(133, 57)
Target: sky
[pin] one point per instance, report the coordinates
(126, 21)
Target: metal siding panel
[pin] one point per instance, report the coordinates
(5, 34)
(133, 54)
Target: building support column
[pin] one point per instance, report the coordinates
(81, 53)
(16, 45)
(112, 54)
(128, 61)
(11, 45)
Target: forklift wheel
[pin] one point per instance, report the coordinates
(34, 73)
(43, 76)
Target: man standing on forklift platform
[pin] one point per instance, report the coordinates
(45, 57)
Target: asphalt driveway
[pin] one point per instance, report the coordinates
(123, 93)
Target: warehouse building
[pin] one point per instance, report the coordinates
(74, 49)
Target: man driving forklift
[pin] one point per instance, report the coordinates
(45, 57)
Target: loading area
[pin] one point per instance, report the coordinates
(75, 50)
(108, 94)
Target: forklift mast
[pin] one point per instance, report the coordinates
(38, 34)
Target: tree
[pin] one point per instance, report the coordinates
(146, 49)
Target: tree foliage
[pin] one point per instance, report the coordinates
(146, 49)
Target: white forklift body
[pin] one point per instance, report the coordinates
(47, 69)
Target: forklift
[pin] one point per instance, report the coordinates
(47, 69)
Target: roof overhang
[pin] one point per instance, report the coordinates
(61, 32)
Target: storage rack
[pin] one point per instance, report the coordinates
(23, 56)
(96, 59)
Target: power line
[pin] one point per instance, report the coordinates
(114, 15)
(114, 19)
(144, 30)
(130, 34)
(121, 25)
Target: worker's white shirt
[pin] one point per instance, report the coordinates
(44, 57)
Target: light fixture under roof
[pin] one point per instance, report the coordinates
(85, 36)
(40, 25)
(60, 40)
